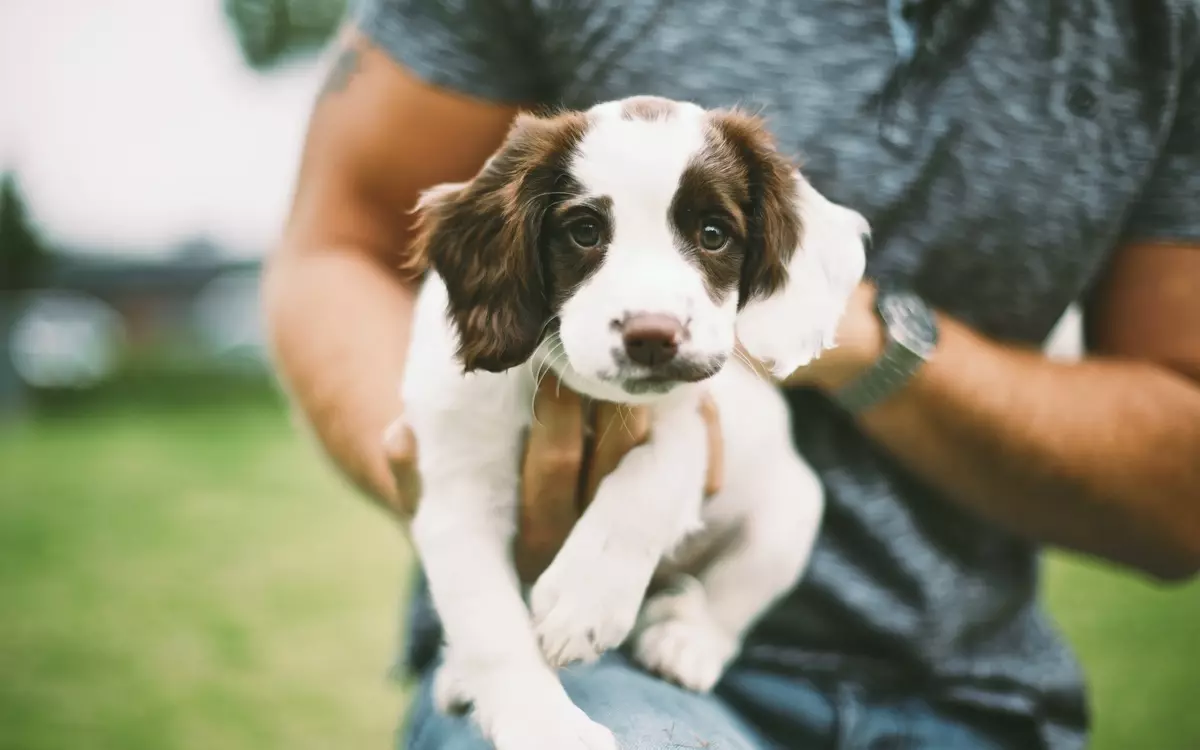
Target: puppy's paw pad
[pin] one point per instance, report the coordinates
(691, 652)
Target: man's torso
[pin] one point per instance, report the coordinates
(996, 167)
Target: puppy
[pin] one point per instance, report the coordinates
(625, 248)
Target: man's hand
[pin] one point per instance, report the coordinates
(557, 451)
(561, 467)
(400, 447)
(859, 342)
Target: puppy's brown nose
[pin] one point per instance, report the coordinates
(651, 339)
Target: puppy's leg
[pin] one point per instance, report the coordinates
(587, 601)
(462, 532)
(690, 631)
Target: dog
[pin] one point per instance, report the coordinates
(629, 248)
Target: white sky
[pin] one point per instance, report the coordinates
(134, 124)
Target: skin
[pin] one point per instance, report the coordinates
(1101, 456)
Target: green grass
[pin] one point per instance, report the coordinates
(1140, 648)
(176, 577)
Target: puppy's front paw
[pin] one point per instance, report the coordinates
(691, 652)
(583, 607)
(561, 727)
(678, 639)
(527, 709)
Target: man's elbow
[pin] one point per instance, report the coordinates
(1178, 573)
(1176, 561)
(291, 273)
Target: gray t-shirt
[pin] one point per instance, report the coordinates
(1000, 150)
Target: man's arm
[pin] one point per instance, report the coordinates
(1100, 456)
(338, 311)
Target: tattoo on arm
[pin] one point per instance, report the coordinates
(344, 68)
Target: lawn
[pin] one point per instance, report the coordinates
(193, 576)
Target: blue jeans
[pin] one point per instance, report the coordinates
(750, 710)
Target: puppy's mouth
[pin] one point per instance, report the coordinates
(646, 386)
(640, 380)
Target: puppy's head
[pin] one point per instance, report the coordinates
(630, 235)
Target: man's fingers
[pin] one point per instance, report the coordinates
(557, 410)
(616, 429)
(549, 477)
(555, 441)
(556, 449)
(716, 446)
(399, 444)
(547, 510)
(400, 449)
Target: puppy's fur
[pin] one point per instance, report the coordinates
(584, 226)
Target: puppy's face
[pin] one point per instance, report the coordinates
(626, 239)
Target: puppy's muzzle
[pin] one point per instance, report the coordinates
(651, 339)
(649, 356)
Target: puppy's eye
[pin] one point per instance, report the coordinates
(585, 233)
(713, 236)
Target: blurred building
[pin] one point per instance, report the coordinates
(133, 230)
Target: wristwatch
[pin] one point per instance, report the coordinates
(911, 336)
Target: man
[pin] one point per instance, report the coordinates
(1011, 157)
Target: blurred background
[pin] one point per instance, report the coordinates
(178, 567)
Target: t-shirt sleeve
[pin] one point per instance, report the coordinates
(1169, 207)
(480, 48)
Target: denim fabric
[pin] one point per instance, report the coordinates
(751, 710)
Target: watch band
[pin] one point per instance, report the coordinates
(910, 330)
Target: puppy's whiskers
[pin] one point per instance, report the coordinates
(604, 434)
(547, 361)
(623, 416)
(624, 420)
(754, 368)
(543, 361)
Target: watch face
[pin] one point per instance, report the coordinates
(909, 321)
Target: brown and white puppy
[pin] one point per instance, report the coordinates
(625, 248)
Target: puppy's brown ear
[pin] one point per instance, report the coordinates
(773, 219)
(483, 239)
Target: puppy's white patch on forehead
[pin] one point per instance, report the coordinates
(637, 161)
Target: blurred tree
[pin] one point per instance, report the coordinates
(23, 260)
(22, 256)
(270, 31)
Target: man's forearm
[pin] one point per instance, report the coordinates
(339, 325)
(1098, 456)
